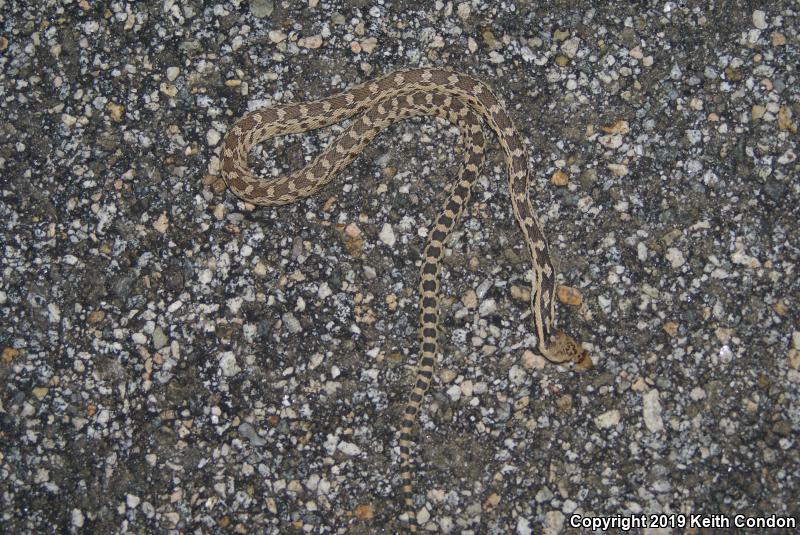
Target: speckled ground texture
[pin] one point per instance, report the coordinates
(174, 359)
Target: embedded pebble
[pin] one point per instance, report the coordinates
(314, 41)
(249, 432)
(291, 323)
(675, 257)
(759, 19)
(213, 137)
(261, 8)
(517, 375)
(570, 47)
(487, 306)
(160, 340)
(352, 231)
(78, 518)
(386, 235)
(162, 223)
(276, 36)
(569, 296)
(607, 419)
(454, 392)
(697, 394)
(369, 45)
(651, 410)
(470, 299)
(532, 361)
(618, 169)
(559, 178)
(228, 364)
(348, 448)
(524, 527)
(324, 291)
(553, 523)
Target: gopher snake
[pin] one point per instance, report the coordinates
(463, 101)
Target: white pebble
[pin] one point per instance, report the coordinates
(517, 375)
(570, 47)
(213, 137)
(611, 141)
(206, 276)
(227, 364)
(454, 392)
(324, 291)
(162, 223)
(532, 361)
(496, 57)
(139, 338)
(42, 476)
(53, 313)
(641, 251)
(618, 169)
(387, 235)
(348, 448)
(488, 306)
(172, 73)
(77, 518)
(132, 500)
(553, 523)
(697, 393)
(330, 444)
(651, 410)
(314, 41)
(291, 323)
(423, 516)
(235, 303)
(788, 157)
(276, 36)
(607, 419)
(759, 19)
(675, 256)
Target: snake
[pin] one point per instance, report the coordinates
(462, 100)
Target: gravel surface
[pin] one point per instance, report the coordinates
(176, 360)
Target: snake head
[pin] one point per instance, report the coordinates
(562, 348)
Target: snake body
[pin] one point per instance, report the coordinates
(465, 102)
